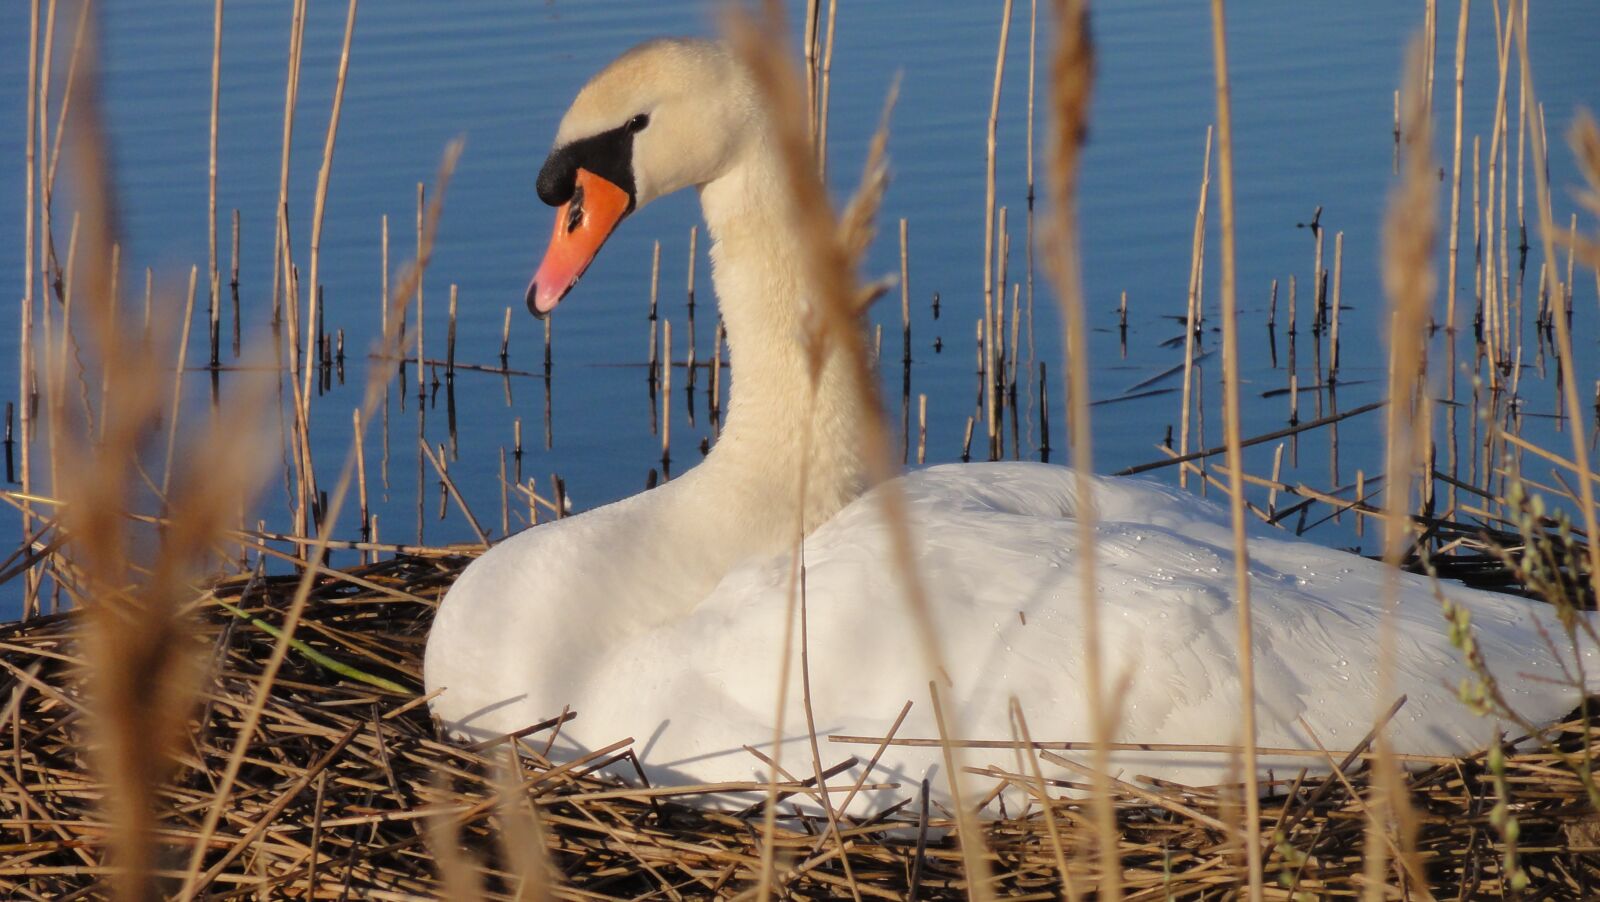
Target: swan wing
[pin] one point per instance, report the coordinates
(997, 553)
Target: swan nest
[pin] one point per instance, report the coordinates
(348, 788)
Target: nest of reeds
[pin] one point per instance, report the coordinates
(349, 791)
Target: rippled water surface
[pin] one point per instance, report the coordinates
(1313, 100)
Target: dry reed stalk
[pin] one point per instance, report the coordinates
(829, 809)
(666, 396)
(824, 91)
(1319, 276)
(62, 112)
(1019, 725)
(383, 275)
(1033, 44)
(1564, 347)
(505, 497)
(1235, 454)
(284, 292)
(905, 295)
(717, 337)
(1072, 80)
(1584, 138)
(991, 416)
(1522, 169)
(56, 353)
(655, 285)
(1493, 292)
(450, 337)
(1011, 376)
(694, 243)
(1338, 280)
(39, 103)
(142, 673)
(1395, 165)
(458, 870)
(522, 835)
(1277, 473)
(1477, 235)
(439, 466)
(505, 340)
(421, 379)
(173, 412)
(830, 250)
(319, 206)
(1191, 320)
(377, 380)
(25, 332)
(211, 182)
(922, 429)
(291, 94)
(1293, 367)
(1410, 227)
(361, 471)
(1005, 348)
(813, 12)
(905, 342)
(46, 164)
(1455, 182)
(1431, 35)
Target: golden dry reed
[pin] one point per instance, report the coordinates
(136, 631)
(1559, 293)
(377, 380)
(1071, 85)
(1235, 453)
(1409, 230)
(831, 249)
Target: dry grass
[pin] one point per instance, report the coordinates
(342, 779)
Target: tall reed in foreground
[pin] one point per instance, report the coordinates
(378, 379)
(1563, 329)
(1235, 453)
(831, 249)
(1071, 84)
(1408, 279)
(25, 335)
(135, 592)
(1584, 137)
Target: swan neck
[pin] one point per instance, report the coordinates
(776, 404)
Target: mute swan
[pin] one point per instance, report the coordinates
(660, 616)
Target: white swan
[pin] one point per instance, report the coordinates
(660, 617)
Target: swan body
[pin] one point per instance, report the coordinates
(661, 617)
(997, 550)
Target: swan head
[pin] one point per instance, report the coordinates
(666, 115)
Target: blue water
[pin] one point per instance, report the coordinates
(1312, 90)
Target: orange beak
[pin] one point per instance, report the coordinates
(582, 225)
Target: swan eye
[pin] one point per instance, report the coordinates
(637, 123)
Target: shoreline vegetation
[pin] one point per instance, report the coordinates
(196, 706)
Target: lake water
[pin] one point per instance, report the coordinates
(1313, 110)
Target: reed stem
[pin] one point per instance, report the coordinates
(1235, 455)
